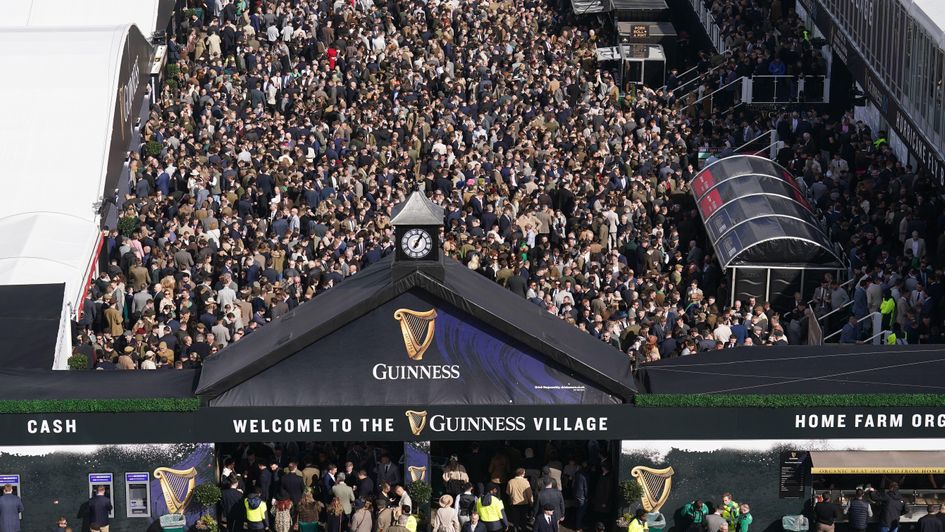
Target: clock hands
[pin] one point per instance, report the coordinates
(417, 242)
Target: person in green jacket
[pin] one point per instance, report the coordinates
(743, 521)
(696, 512)
(729, 510)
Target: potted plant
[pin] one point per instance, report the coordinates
(78, 361)
(421, 494)
(208, 523)
(630, 494)
(207, 496)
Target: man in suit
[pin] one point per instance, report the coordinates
(344, 493)
(474, 524)
(231, 508)
(10, 509)
(365, 486)
(293, 483)
(264, 479)
(387, 472)
(328, 482)
(915, 244)
(549, 496)
(100, 507)
(580, 491)
(546, 521)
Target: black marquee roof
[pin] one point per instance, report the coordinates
(798, 369)
(450, 282)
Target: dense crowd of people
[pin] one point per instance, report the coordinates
(360, 488)
(286, 131)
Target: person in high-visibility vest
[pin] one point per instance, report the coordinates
(888, 309)
(491, 510)
(729, 510)
(896, 336)
(408, 520)
(638, 523)
(255, 511)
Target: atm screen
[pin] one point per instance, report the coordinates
(137, 499)
(13, 481)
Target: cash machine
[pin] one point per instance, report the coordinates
(107, 480)
(138, 494)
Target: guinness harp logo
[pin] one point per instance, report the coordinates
(417, 328)
(417, 474)
(177, 486)
(417, 420)
(656, 484)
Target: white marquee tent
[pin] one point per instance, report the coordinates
(148, 15)
(67, 120)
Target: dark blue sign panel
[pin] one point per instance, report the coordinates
(137, 477)
(417, 350)
(100, 478)
(9, 479)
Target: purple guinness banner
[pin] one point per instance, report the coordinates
(412, 351)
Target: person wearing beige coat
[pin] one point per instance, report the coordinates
(445, 519)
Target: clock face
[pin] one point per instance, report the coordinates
(416, 243)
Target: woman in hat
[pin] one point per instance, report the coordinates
(445, 519)
(282, 511)
(148, 362)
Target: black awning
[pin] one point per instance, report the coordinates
(826, 369)
(490, 347)
(29, 324)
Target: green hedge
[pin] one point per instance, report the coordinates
(789, 400)
(53, 406)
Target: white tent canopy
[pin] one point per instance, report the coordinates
(59, 130)
(148, 15)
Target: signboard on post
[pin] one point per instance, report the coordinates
(791, 483)
(640, 31)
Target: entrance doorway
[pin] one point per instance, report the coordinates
(588, 501)
(582, 470)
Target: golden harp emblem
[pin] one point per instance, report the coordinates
(656, 484)
(417, 420)
(417, 473)
(177, 486)
(417, 328)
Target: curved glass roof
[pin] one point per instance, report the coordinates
(754, 213)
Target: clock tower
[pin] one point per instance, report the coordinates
(417, 223)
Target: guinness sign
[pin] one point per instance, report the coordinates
(417, 421)
(417, 473)
(417, 328)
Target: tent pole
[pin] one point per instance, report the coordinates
(732, 300)
(803, 286)
(768, 286)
